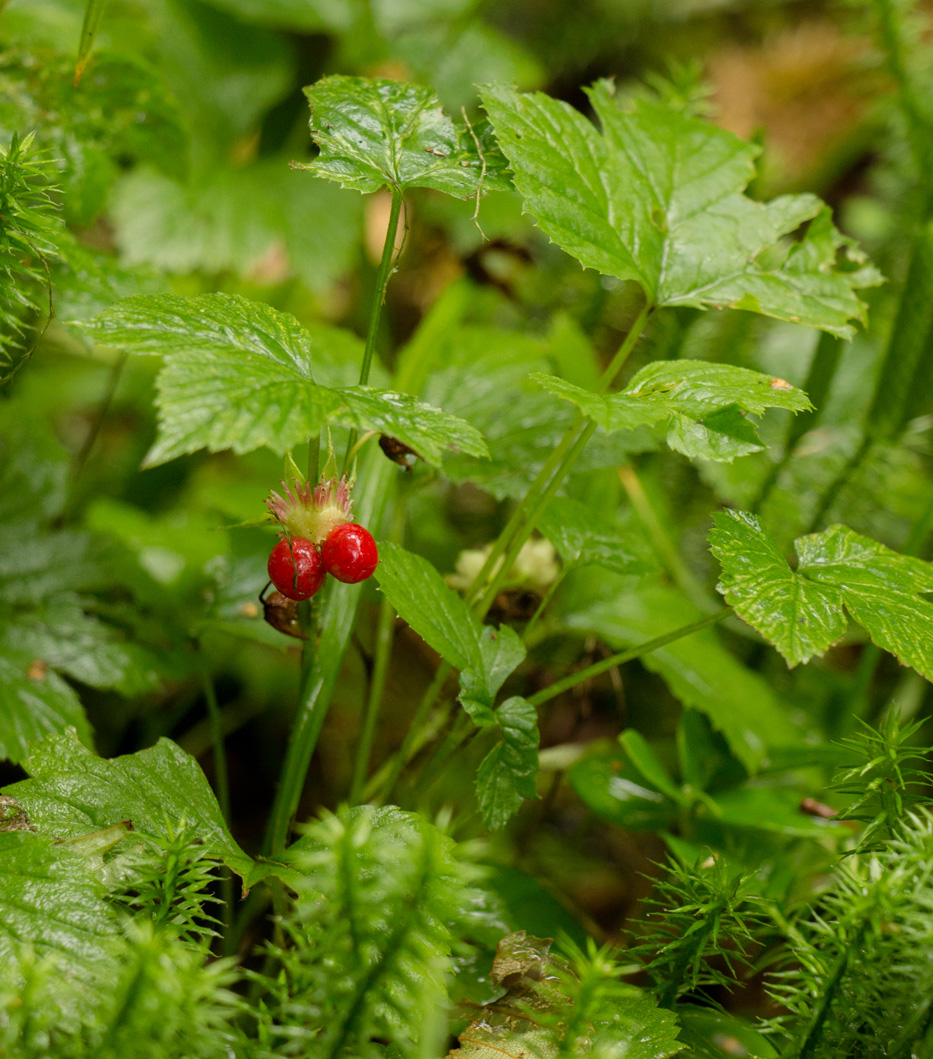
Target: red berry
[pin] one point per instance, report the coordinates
(349, 553)
(295, 568)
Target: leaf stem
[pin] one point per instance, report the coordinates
(603, 666)
(379, 295)
(660, 540)
(546, 483)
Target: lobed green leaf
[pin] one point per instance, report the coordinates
(376, 134)
(71, 791)
(801, 612)
(701, 405)
(239, 375)
(656, 197)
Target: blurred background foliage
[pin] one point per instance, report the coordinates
(169, 162)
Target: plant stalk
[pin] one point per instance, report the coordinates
(603, 666)
(547, 482)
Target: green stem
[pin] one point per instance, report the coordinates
(384, 637)
(842, 478)
(547, 482)
(542, 606)
(603, 666)
(382, 281)
(375, 315)
(660, 540)
(320, 667)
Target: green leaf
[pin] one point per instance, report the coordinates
(51, 901)
(239, 375)
(582, 539)
(501, 652)
(61, 636)
(263, 221)
(644, 759)
(799, 616)
(701, 405)
(34, 703)
(376, 134)
(72, 791)
(801, 612)
(439, 615)
(506, 776)
(699, 671)
(657, 198)
(616, 791)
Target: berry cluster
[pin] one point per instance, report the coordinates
(318, 538)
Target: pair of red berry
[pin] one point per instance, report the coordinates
(298, 567)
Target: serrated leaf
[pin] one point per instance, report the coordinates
(701, 404)
(51, 901)
(34, 703)
(656, 197)
(584, 540)
(800, 612)
(698, 669)
(506, 776)
(239, 375)
(376, 134)
(800, 617)
(484, 656)
(71, 791)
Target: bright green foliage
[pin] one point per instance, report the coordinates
(438, 614)
(369, 952)
(701, 405)
(861, 979)
(161, 1002)
(703, 914)
(485, 658)
(506, 776)
(881, 777)
(375, 134)
(484, 376)
(167, 880)
(556, 1009)
(801, 612)
(51, 901)
(239, 374)
(657, 198)
(71, 791)
(30, 235)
